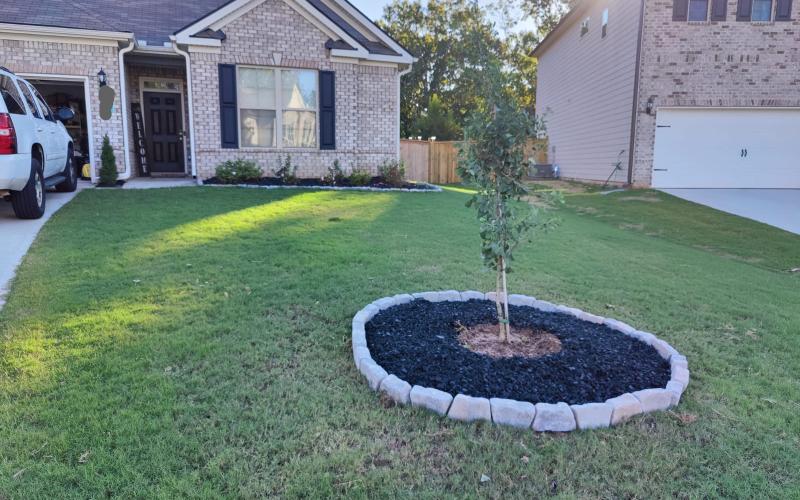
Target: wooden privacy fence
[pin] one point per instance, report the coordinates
(430, 161)
(436, 161)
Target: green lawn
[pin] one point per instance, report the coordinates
(195, 343)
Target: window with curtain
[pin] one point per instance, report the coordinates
(257, 107)
(762, 10)
(277, 107)
(698, 10)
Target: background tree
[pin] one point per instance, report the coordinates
(448, 37)
(522, 76)
(545, 13)
(493, 160)
(438, 121)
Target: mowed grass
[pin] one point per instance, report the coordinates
(195, 343)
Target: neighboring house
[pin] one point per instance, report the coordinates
(685, 93)
(203, 81)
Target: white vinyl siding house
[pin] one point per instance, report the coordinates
(585, 93)
(714, 82)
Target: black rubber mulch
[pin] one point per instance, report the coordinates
(375, 182)
(418, 343)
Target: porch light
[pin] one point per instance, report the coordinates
(101, 78)
(650, 105)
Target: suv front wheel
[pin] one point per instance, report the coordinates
(30, 202)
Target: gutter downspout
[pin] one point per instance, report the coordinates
(123, 98)
(400, 76)
(191, 106)
(634, 112)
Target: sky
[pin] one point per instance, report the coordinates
(374, 10)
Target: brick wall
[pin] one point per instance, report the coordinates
(73, 59)
(366, 96)
(712, 64)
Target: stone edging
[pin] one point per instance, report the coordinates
(433, 188)
(541, 417)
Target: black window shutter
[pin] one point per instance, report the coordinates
(327, 110)
(229, 125)
(744, 10)
(719, 10)
(680, 10)
(784, 10)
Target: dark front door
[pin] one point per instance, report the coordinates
(164, 130)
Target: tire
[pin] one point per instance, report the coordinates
(71, 182)
(30, 202)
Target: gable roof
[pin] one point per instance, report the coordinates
(372, 47)
(150, 20)
(352, 33)
(155, 21)
(580, 6)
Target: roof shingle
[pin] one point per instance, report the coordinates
(152, 21)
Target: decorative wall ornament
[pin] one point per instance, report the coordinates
(107, 96)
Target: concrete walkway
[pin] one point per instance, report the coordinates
(776, 207)
(18, 235)
(159, 182)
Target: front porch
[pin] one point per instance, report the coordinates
(157, 97)
(159, 182)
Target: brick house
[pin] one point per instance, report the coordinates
(679, 93)
(200, 82)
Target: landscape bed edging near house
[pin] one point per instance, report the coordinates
(541, 417)
(431, 188)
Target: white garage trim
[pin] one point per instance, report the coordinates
(727, 147)
(87, 97)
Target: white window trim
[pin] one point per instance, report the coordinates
(278, 110)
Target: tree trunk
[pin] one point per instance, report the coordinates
(501, 330)
(501, 301)
(506, 317)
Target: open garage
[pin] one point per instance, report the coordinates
(727, 148)
(66, 91)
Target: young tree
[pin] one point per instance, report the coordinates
(108, 167)
(493, 160)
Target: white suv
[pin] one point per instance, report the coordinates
(35, 148)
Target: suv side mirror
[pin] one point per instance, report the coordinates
(65, 114)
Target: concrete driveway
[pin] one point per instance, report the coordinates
(18, 235)
(776, 207)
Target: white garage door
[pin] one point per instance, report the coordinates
(727, 148)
